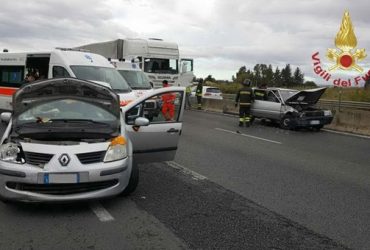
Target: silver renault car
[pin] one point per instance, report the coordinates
(68, 140)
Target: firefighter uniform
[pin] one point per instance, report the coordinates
(187, 99)
(244, 97)
(199, 92)
(259, 94)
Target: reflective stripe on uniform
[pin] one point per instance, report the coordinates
(245, 92)
(244, 103)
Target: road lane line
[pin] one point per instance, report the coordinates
(185, 170)
(345, 133)
(250, 136)
(102, 214)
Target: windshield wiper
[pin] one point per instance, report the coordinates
(76, 120)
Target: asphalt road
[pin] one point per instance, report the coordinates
(261, 188)
(320, 180)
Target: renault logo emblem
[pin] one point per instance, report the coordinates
(64, 160)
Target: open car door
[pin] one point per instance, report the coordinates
(154, 123)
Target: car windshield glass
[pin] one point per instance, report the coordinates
(160, 65)
(102, 74)
(66, 109)
(136, 79)
(286, 93)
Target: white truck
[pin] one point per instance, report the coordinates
(59, 63)
(160, 60)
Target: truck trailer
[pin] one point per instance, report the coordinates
(160, 60)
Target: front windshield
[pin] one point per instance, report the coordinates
(161, 65)
(102, 74)
(65, 109)
(286, 93)
(136, 79)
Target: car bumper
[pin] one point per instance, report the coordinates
(313, 121)
(27, 183)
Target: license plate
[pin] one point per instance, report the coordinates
(315, 122)
(61, 178)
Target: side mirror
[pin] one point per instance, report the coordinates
(141, 121)
(5, 117)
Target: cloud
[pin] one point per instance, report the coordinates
(220, 35)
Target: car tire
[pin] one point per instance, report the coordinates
(287, 122)
(133, 182)
(317, 128)
(5, 201)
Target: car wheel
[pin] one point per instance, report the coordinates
(133, 182)
(5, 201)
(317, 128)
(287, 122)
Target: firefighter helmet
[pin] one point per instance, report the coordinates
(247, 82)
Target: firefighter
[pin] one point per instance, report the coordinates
(260, 93)
(244, 97)
(199, 92)
(168, 104)
(187, 99)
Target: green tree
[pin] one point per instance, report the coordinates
(286, 75)
(277, 81)
(241, 74)
(209, 78)
(257, 74)
(310, 84)
(298, 76)
(269, 75)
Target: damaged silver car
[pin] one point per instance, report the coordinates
(68, 140)
(291, 108)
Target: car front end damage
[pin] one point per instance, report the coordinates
(317, 118)
(311, 118)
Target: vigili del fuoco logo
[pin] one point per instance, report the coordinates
(344, 57)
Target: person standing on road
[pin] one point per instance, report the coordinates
(199, 92)
(188, 94)
(168, 103)
(245, 98)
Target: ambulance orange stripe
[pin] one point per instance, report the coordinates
(7, 91)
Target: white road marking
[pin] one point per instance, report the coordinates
(345, 133)
(250, 136)
(185, 170)
(102, 214)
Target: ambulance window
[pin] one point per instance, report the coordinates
(12, 76)
(59, 71)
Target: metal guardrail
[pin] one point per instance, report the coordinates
(344, 104)
(333, 104)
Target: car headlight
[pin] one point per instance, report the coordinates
(11, 152)
(327, 113)
(117, 150)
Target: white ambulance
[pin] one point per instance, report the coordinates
(139, 83)
(14, 67)
(134, 76)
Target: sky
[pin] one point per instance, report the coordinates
(221, 35)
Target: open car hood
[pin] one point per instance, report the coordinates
(36, 93)
(306, 97)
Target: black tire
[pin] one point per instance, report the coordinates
(317, 128)
(133, 182)
(287, 122)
